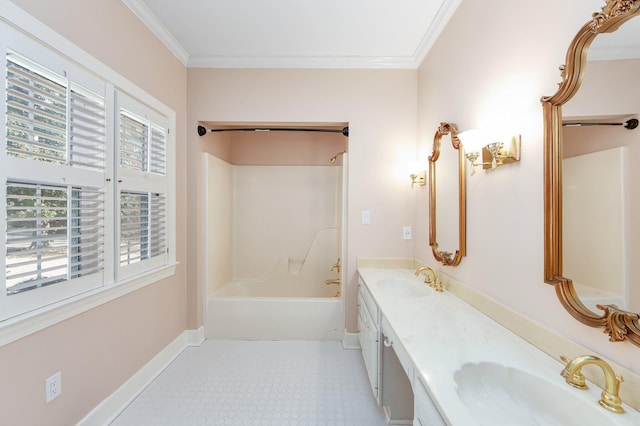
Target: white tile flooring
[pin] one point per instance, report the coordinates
(249, 383)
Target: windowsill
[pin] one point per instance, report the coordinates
(23, 325)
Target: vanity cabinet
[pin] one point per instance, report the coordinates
(425, 412)
(369, 336)
(397, 387)
(396, 369)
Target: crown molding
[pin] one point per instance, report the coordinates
(439, 22)
(338, 62)
(446, 10)
(148, 18)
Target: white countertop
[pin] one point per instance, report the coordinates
(440, 332)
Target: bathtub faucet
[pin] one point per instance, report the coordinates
(336, 266)
(329, 282)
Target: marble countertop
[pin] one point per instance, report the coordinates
(440, 332)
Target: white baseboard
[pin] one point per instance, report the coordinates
(350, 341)
(109, 409)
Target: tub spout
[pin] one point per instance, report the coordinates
(329, 282)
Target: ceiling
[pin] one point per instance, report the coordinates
(296, 33)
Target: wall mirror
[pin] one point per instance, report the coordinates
(592, 192)
(447, 223)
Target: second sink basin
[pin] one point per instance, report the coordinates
(501, 395)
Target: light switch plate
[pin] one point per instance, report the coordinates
(366, 217)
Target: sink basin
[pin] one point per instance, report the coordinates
(500, 395)
(404, 287)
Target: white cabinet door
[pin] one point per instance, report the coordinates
(369, 341)
(425, 411)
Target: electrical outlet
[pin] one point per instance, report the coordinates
(406, 232)
(53, 387)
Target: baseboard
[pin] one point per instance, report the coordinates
(350, 341)
(109, 409)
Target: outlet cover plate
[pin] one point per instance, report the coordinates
(53, 387)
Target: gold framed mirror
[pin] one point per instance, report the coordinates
(618, 323)
(447, 194)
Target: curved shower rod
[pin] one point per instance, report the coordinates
(203, 130)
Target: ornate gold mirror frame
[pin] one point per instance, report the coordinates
(447, 258)
(620, 325)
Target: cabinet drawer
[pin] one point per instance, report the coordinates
(391, 339)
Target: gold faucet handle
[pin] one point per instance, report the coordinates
(577, 379)
(336, 266)
(611, 401)
(438, 285)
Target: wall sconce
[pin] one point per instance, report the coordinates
(491, 154)
(418, 173)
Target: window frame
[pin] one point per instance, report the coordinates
(19, 27)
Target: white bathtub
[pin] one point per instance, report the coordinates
(282, 310)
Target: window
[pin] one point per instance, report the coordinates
(142, 186)
(86, 186)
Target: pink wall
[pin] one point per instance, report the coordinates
(488, 70)
(100, 349)
(378, 105)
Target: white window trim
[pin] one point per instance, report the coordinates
(28, 323)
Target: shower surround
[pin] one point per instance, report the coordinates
(273, 235)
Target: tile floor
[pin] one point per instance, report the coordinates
(249, 383)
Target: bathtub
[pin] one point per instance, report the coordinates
(280, 310)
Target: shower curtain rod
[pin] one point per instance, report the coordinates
(203, 130)
(629, 124)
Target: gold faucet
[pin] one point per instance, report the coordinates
(572, 373)
(336, 266)
(430, 277)
(329, 282)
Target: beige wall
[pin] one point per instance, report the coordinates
(281, 213)
(380, 108)
(488, 70)
(98, 350)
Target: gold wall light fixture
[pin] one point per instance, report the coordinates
(489, 155)
(417, 173)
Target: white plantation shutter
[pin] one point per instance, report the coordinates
(54, 195)
(37, 244)
(142, 144)
(88, 123)
(158, 155)
(53, 233)
(142, 188)
(142, 227)
(134, 142)
(86, 189)
(36, 113)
